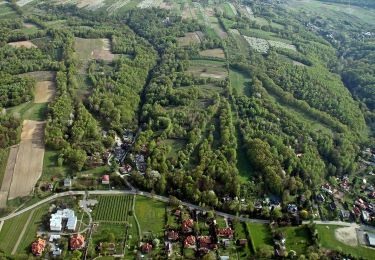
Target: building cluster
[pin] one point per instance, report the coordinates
(63, 218)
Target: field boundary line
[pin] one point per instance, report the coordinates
(22, 232)
(136, 219)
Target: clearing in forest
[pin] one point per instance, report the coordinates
(217, 53)
(208, 69)
(190, 38)
(29, 161)
(97, 49)
(29, 25)
(24, 44)
(44, 91)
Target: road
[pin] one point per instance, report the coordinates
(156, 197)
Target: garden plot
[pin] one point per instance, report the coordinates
(117, 5)
(190, 38)
(282, 45)
(23, 44)
(29, 161)
(217, 53)
(259, 45)
(149, 3)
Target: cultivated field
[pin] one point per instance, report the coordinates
(149, 3)
(259, 45)
(218, 53)
(29, 162)
(113, 208)
(24, 44)
(7, 180)
(44, 91)
(190, 38)
(282, 45)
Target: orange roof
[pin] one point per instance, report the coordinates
(189, 241)
(187, 225)
(105, 177)
(77, 241)
(38, 246)
(146, 248)
(225, 232)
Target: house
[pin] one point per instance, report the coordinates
(292, 208)
(125, 169)
(105, 179)
(327, 188)
(332, 206)
(371, 239)
(57, 219)
(320, 198)
(225, 232)
(187, 225)
(365, 216)
(67, 182)
(146, 248)
(38, 247)
(344, 214)
(204, 241)
(53, 237)
(189, 242)
(225, 242)
(77, 241)
(172, 235)
(241, 242)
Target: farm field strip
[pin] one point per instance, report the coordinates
(113, 208)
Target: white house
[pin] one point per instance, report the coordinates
(56, 220)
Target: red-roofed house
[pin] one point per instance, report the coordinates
(204, 241)
(187, 225)
(38, 246)
(172, 235)
(77, 241)
(105, 179)
(225, 232)
(146, 248)
(189, 242)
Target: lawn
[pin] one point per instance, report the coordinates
(50, 166)
(10, 232)
(150, 214)
(260, 234)
(30, 234)
(208, 69)
(238, 81)
(297, 238)
(175, 145)
(30, 111)
(103, 232)
(328, 240)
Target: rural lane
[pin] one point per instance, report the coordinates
(153, 196)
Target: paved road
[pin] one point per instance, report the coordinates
(160, 198)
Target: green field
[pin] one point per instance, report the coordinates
(30, 234)
(260, 234)
(150, 214)
(4, 153)
(328, 240)
(238, 81)
(297, 238)
(113, 208)
(10, 232)
(208, 68)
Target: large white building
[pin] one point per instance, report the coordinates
(56, 220)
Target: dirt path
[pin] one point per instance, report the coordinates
(22, 232)
(44, 91)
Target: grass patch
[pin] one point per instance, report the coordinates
(30, 111)
(50, 166)
(208, 69)
(10, 232)
(34, 225)
(297, 238)
(260, 234)
(328, 240)
(4, 154)
(238, 81)
(150, 214)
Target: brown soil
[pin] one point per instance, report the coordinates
(347, 235)
(44, 91)
(29, 161)
(219, 53)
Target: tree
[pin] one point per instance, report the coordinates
(265, 252)
(276, 213)
(76, 255)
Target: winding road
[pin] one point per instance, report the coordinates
(157, 197)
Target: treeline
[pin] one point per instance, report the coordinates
(15, 90)
(360, 3)
(9, 130)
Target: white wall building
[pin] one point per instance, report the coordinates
(56, 220)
